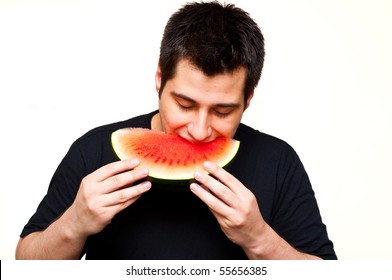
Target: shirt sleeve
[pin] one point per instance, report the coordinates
(61, 192)
(296, 216)
(89, 152)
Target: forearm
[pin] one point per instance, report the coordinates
(271, 246)
(58, 241)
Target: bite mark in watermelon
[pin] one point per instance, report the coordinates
(171, 157)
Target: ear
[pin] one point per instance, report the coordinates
(249, 99)
(158, 78)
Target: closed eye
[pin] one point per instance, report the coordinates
(222, 114)
(185, 104)
(224, 110)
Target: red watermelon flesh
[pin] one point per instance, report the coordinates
(171, 157)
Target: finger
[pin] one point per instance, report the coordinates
(221, 191)
(123, 180)
(114, 168)
(205, 188)
(126, 196)
(223, 176)
(216, 205)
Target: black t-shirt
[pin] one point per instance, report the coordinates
(170, 222)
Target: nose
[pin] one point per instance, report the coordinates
(200, 128)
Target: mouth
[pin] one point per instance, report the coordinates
(193, 141)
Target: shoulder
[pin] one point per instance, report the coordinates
(265, 154)
(94, 149)
(262, 151)
(253, 138)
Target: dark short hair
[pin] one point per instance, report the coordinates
(216, 38)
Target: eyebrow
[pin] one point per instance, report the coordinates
(221, 105)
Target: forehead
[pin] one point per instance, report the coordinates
(188, 76)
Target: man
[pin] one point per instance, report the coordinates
(261, 207)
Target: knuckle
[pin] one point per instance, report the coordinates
(214, 205)
(121, 196)
(85, 181)
(251, 201)
(84, 191)
(116, 181)
(239, 221)
(205, 179)
(107, 168)
(91, 206)
(111, 168)
(223, 191)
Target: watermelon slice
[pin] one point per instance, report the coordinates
(171, 157)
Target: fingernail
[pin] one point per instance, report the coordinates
(146, 186)
(198, 175)
(143, 171)
(134, 161)
(208, 164)
(194, 187)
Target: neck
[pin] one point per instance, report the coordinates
(156, 122)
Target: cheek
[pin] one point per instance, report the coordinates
(173, 121)
(228, 127)
(225, 129)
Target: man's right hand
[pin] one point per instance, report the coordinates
(104, 193)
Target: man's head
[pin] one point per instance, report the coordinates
(210, 63)
(216, 38)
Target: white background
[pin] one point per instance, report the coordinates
(67, 66)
